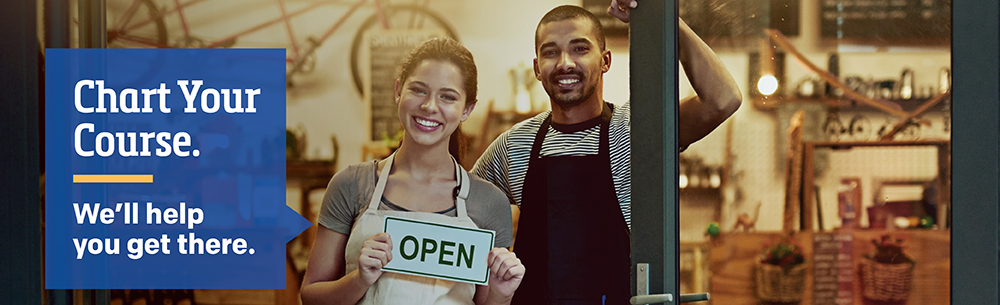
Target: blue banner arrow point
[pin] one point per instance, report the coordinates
(291, 220)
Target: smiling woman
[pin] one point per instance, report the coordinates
(437, 83)
(435, 91)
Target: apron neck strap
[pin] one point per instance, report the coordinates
(462, 188)
(607, 112)
(383, 177)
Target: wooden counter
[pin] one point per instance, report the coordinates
(732, 257)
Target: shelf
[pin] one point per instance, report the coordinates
(310, 169)
(849, 144)
(842, 103)
(907, 105)
(700, 189)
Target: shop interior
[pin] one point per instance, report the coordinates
(840, 152)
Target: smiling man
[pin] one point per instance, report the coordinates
(569, 169)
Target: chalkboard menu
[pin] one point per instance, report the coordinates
(740, 18)
(387, 50)
(833, 269)
(612, 26)
(718, 18)
(885, 19)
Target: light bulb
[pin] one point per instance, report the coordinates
(767, 84)
(523, 102)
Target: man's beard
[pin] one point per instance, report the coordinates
(571, 98)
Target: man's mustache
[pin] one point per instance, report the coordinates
(555, 76)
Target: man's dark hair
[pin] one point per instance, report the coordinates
(565, 12)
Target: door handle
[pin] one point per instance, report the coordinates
(652, 299)
(668, 298)
(642, 290)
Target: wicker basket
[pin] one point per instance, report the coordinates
(775, 284)
(886, 282)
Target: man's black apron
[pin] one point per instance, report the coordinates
(571, 234)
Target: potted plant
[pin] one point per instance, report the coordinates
(887, 273)
(781, 272)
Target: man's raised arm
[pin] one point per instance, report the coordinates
(718, 95)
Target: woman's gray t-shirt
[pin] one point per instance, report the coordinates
(350, 191)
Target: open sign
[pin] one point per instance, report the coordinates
(439, 250)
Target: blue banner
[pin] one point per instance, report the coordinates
(166, 169)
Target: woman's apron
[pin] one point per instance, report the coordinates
(395, 288)
(571, 228)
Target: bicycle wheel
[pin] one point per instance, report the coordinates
(909, 132)
(861, 128)
(135, 24)
(833, 128)
(397, 17)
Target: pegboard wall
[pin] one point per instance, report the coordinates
(873, 165)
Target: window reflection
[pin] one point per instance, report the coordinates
(847, 161)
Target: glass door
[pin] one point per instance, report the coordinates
(834, 177)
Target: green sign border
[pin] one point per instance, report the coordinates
(485, 280)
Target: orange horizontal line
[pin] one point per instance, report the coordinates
(112, 178)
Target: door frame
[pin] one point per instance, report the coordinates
(653, 71)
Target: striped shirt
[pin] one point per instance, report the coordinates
(505, 162)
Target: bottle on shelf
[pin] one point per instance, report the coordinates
(833, 65)
(906, 84)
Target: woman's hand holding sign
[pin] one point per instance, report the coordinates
(376, 252)
(506, 272)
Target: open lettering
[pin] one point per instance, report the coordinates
(444, 250)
